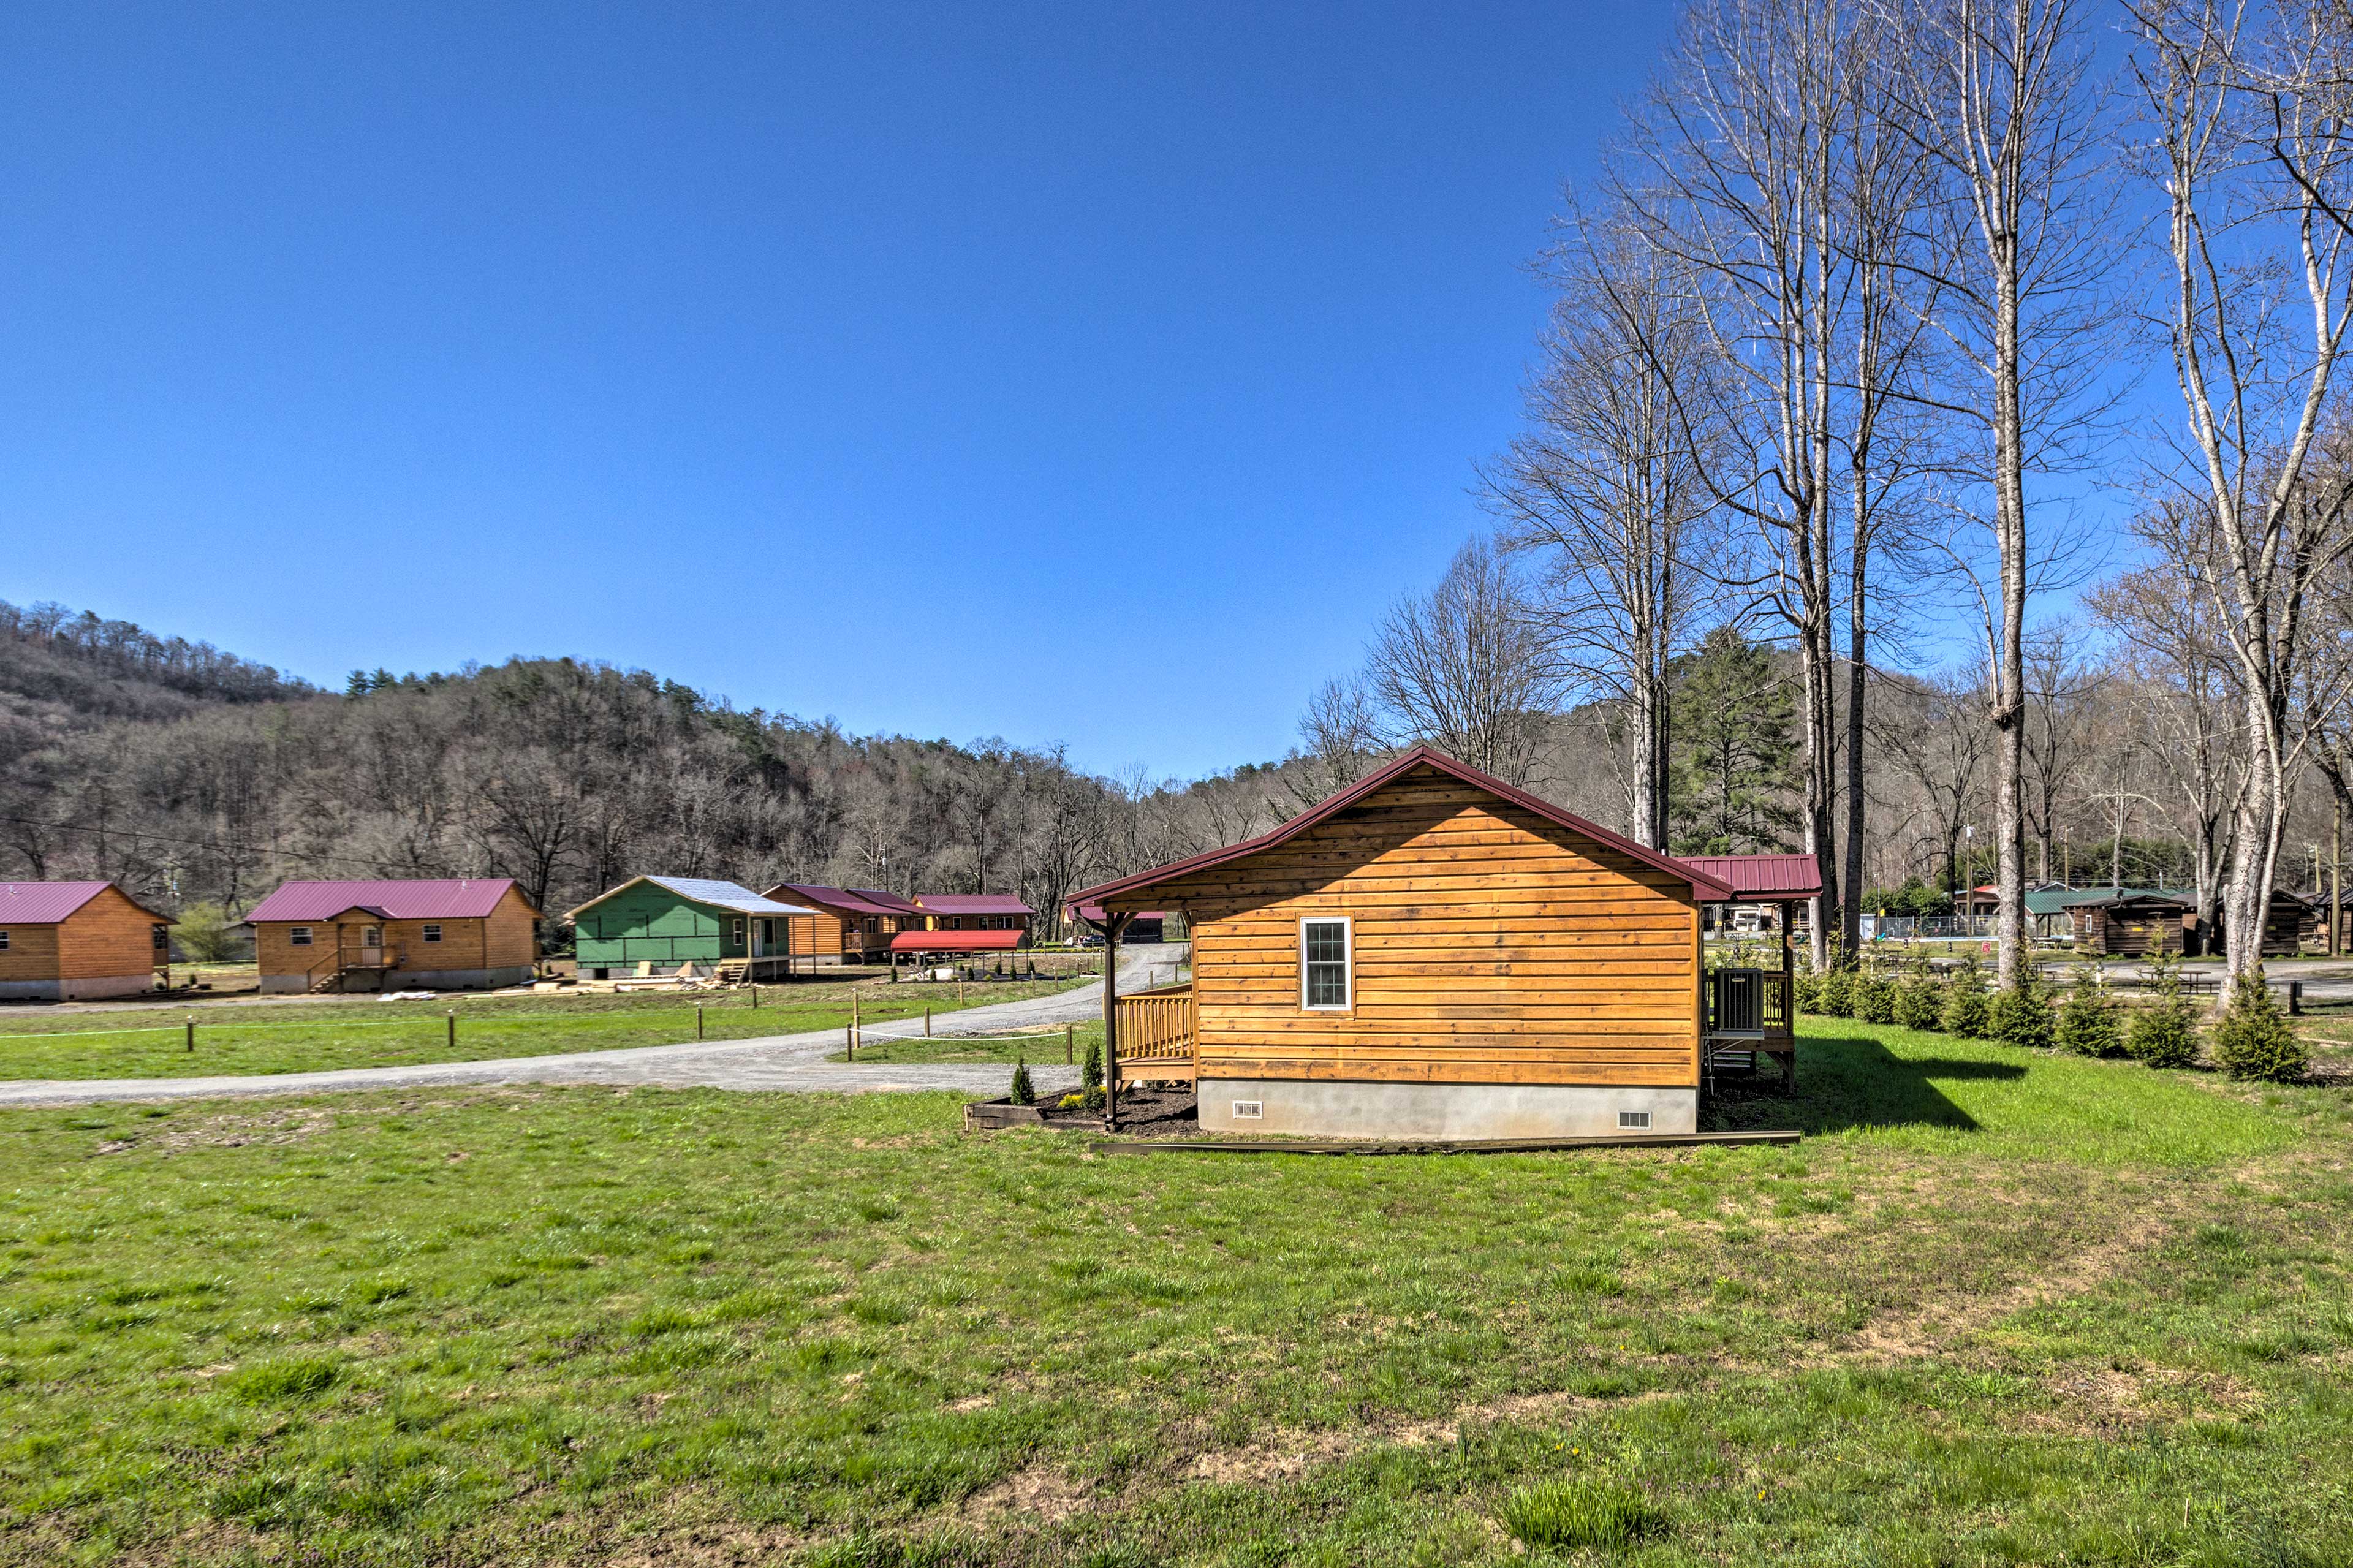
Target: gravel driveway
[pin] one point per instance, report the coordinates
(775, 1062)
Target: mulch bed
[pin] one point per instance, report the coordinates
(1160, 1113)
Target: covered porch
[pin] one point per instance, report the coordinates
(1749, 1012)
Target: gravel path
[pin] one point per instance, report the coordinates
(775, 1062)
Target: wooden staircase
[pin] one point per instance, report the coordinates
(734, 972)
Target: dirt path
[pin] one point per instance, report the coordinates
(775, 1062)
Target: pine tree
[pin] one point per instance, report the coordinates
(2020, 1016)
(1837, 992)
(1874, 999)
(1807, 991)
(2163, 1032)
(2087, 1024)
(1920, 1001)
(1733, 744)
(1091, 1075)
(1023, 1094)
(2253, 1040)
(1966, 1013)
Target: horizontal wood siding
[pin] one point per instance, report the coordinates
(32, 953)
(509, 938)
(106, 938)
(1489, 946)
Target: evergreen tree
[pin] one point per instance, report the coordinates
(1091, 1075)
(1920, 1001)
(2020, 1016)
(2163, 1032)
(1837, 994)
(1874, 998)
(1966, 1013)
(1733, 766)
(2087, 1024)
(1023, 1094)
(2253, 1040)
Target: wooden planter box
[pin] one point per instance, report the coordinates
(980, 1115)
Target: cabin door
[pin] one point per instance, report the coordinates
(371, 946)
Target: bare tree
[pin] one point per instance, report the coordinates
(1340, 737)
(2254, 157)
(2010, 266)
(1463, 668)
(1606, 491)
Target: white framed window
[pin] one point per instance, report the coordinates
(1325, 964)
(371, 936)
(430, 932)
(298, 936)
(736, 940)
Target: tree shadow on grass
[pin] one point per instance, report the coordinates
(1846, 1081)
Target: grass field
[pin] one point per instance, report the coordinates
(362, 1032)
(1044, 1049)
(1995, 1309)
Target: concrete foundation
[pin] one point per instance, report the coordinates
(413, 980)
(1291, 1107)
(86, 990)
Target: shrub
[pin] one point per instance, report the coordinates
(2252, 1041)
(1090, 1077)
(1874, 999)
(206, 933)
(1024, 1092)
(1806, 989)
(1580, 1513)
(2087, 1024)
(1966, 1013)
(1837, 994)
(2020, 1016)
(2163, 1032)
(1920, 1001)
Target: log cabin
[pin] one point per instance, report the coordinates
(976, 911)
(473, 933)
(65, 942)
(846, 925)
(2134, 922)
(1430, 952)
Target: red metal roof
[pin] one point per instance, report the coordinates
(1761, 878)
(851, 901)
(955, 941)
(973, 904)
(45, 903)
(1093, 914)
(1703, 886)
(468, 898)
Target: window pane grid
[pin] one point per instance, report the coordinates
(1324, 962)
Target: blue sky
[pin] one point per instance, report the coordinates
(1083, 374)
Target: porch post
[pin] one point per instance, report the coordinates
(1113, 925)
(1789, 1002)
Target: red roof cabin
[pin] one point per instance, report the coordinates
(1430, 953)
(67, 941)
(976, 911)
(848, 925)
(468, 934)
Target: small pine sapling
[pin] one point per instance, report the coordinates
(1966, 1013)
(2253, 1039)
(2087, 1024)
(1091, 1075)
(1023, 1092)
(1874, 999)
(1806, 988)
(2020, 1016)
(1838, 993)
(2163, 1032)
(1920, 1001)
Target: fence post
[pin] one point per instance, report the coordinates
(698, 1020)
(2295, 998)
(192, 1033)
(453, 1028)
(927, 1022)
(856, 1028)
(755, 998)
(1070, 1046)
(849, 1041)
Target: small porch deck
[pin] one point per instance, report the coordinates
(1158, 1041)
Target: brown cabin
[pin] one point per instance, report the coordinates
(846, 925)
(1430, 952)
(65, 942)
(2132, 925)
(427, 934)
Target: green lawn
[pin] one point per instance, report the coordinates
(361, 1033)
(1042, 1048)
(1995, 1309)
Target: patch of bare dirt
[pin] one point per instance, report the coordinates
(1038, 1493)
(1285, 1452)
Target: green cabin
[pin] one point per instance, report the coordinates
(683, 927)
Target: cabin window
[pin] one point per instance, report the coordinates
(737, 939)
(162, 939)
(371, 936)
(1323, 965)
(298, 936)
(4, 941)
(431, 933)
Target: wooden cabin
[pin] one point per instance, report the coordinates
(847, 925)
(69, 941)
(976, 911)
(1145, 925)
(684, 928)
(429, 934)
(2290, 924)
(2132, 924)
(1430, 952)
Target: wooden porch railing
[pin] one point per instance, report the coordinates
(1157, 1034)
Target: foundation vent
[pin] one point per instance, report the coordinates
(1634, 1121)
(1248, 1110)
